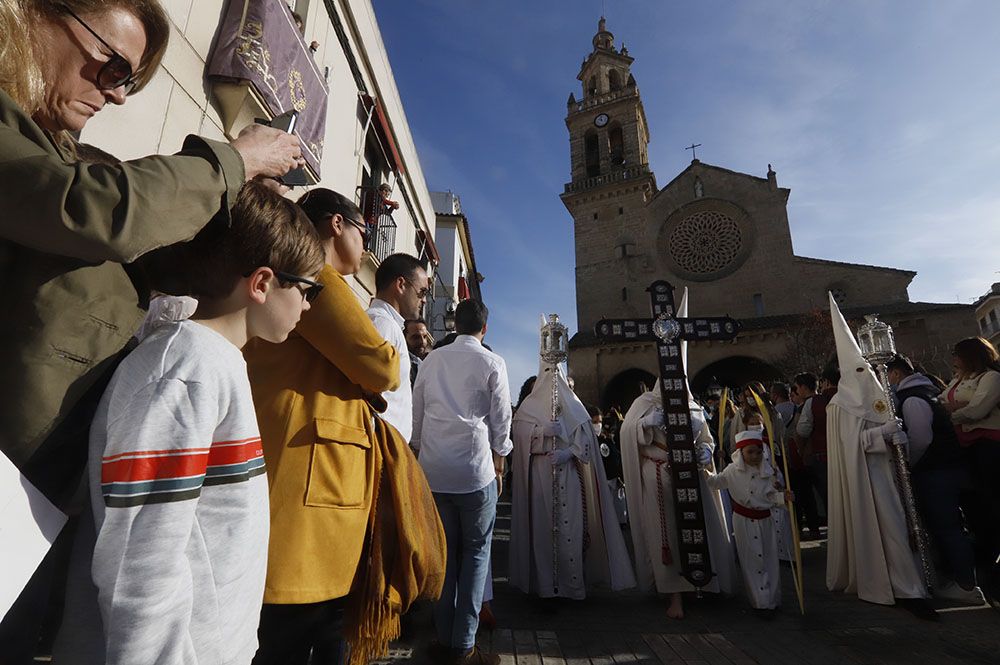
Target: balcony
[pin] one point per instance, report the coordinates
(377, 213)
(620, 175)
(261, 67)
(596, 100)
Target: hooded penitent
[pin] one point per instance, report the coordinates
(868, 552)
(596, 551)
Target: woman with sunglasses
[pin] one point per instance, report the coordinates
(69, 226)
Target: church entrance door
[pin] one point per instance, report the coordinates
(622, 390)
(734, 372)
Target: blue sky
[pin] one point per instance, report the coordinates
(883, 117)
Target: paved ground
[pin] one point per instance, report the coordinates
(610, 629)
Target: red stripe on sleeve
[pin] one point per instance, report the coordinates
(224, 452)
(179, 464)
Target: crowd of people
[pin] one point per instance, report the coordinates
(258, 469)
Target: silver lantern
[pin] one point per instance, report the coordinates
(877, 341)
(554, 349)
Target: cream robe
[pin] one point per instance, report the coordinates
(868, 552)
(638, 453)
(756, 540)
(582, 494)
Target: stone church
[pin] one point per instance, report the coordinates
(725, 236)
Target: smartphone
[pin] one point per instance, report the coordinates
(286, 122)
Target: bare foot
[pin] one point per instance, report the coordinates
(676, 609)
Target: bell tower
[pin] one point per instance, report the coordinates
(610, 184)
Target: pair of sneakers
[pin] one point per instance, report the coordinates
(440, 654)
(953, 592)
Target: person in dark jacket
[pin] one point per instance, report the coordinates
(937, 473)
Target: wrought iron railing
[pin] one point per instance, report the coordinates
(377, 212)
(626, 173)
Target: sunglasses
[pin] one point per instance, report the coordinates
(421, 293)
(312, 290)
(116, 72)
(361, 226)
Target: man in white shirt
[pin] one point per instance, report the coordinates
(400, 292)
(461, 430)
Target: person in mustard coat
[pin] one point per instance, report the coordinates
(315, 396)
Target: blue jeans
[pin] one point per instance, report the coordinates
(468, 528)
(937, 494)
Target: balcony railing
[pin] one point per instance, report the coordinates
(627, 173)
(381, 226)
(597, 100)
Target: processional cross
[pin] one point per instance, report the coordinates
(668, 331)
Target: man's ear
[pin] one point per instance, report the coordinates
(484, 329)
(259, 283)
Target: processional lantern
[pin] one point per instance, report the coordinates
(877, 341)
(554, 347)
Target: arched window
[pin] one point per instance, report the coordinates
(592, 154)
(616, 145)
(592, 86)
(614, 80)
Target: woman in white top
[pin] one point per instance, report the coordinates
(973, 398)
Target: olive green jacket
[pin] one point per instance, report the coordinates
(69, 305)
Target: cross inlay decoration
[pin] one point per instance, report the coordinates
(668, 331)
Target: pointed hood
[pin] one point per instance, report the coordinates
(859, 391)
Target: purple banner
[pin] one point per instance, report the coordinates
(259, 42)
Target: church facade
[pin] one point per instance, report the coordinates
(725, 236)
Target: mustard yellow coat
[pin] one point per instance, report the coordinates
(316, 427)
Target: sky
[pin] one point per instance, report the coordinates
(883, 117)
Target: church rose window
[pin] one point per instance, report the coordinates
(705, 242)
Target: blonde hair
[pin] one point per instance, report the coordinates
(21, 52)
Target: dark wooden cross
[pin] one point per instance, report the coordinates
(668, 331)
(694, 154)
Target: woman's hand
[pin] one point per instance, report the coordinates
(952, 407)
(267, 151)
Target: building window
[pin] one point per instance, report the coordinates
(592, 154)
(614, 80)
(624, 293)
(758, 304)
(621, 211)
(984, 326)
(592, 87)
(616, 146)
(993, 317)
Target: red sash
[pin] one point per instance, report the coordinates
(750, 513)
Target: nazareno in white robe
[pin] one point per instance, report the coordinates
(638, 453)
(868, 551)
(756, 539)
(591, 551)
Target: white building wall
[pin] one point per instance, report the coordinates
(177, 102)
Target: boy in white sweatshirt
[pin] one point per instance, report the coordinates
(176, 471)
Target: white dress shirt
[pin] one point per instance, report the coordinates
(399, 402)
(461, 415)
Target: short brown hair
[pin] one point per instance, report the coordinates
(263, 229)
(977, 354)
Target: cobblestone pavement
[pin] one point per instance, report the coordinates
(630, 627)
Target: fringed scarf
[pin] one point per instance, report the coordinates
(406, 550)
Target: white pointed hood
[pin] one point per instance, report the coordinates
(859, 391)
(697, 412)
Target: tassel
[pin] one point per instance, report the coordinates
(668, 559)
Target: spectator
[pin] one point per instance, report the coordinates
(400, 293)
(801, 480)
(316, 395)
(418, 344)
(938, 474)
(461, 426)
(973, 398)
(180, 499)
(388, 205)
(811, 430)
(68, 226)
(780, 397)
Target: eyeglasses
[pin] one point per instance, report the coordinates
(421, 293)
(116, 72)
(312, 290)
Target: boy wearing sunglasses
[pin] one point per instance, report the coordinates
(176, 469)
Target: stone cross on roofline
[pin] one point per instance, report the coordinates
(694, 154)
(668, 331)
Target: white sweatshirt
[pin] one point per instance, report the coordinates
(180, 503)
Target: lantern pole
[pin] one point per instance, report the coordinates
(554, 350)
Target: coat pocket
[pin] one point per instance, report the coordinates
(338, 468)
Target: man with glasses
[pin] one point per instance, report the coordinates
(400, 293)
